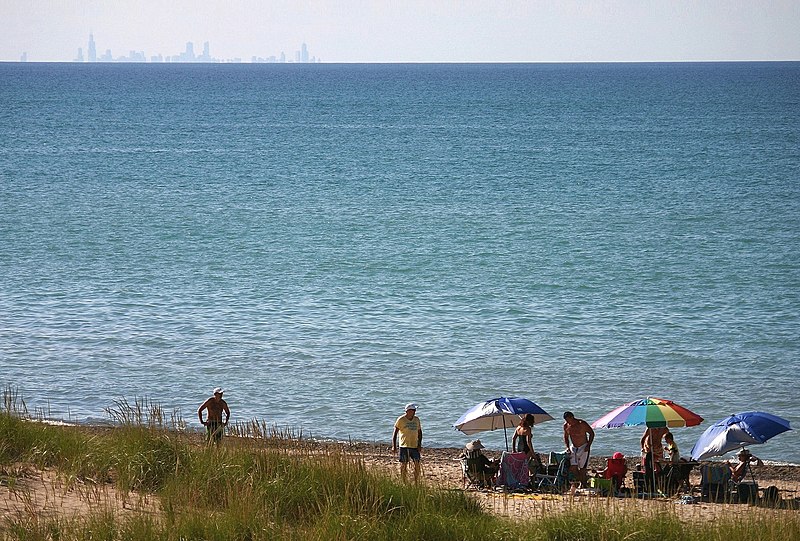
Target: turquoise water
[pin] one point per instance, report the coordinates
(329, 242)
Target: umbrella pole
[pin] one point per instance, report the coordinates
(505, 433)
(752, 476)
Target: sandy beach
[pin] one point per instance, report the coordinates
(441, 469)
(27, 490)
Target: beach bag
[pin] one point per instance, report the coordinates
(747, 492)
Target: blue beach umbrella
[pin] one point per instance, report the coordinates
(736, 431)
(499, 412)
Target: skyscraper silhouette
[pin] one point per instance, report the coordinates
(92, 52)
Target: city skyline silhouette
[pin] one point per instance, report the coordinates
(357, 31)
(188, 55)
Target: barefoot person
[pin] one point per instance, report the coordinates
(409, 428)
(215, 425)
(578, 437)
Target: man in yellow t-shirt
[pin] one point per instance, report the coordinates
(409, 428)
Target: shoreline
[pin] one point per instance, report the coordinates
(772, 470)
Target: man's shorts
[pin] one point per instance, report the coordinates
(579, 456)
(214, 431)
(409, 453)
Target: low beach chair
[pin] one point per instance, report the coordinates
(675, 477)
(472, 476)
(557, 477)
(715, 482)
(616, 470)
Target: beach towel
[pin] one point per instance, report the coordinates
(514, 472)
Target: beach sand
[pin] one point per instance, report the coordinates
(441, 469)
(25, 490)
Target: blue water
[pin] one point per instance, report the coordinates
(329, 242)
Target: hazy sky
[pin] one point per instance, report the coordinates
(409, 30)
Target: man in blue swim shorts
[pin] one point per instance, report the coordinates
(409, 428)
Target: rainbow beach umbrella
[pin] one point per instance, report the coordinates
(652, 413)
(649, 412)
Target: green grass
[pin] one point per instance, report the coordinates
(254, 489)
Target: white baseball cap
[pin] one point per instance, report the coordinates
(411, 406)
(218, 390)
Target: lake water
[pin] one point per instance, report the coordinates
(329, 242)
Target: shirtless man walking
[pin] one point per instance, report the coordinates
(215, 426)
(581, 436)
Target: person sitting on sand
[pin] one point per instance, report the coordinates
(215, 425)
(740, 470)
(481, 468)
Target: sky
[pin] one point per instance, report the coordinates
(409, 30)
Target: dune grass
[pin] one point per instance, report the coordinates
(249, 488)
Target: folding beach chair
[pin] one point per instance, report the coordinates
(472, 475)
(675, 477)
(557, 477)
(616, 470)
(715, 482)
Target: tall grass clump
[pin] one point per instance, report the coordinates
(138, 457)
(143, 412)
(310, 496)
(40, 444)
(144, 459)
(600, 525)
(592, 524)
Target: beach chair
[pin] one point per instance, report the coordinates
(616, 470)
(472, 475)
(715, 482)
(514, 474)
(557, 477)
(675, 477)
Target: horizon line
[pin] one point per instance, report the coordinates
(384, 62)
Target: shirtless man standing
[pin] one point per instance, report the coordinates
(581, 436)
(651, 444)
(215, 426)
